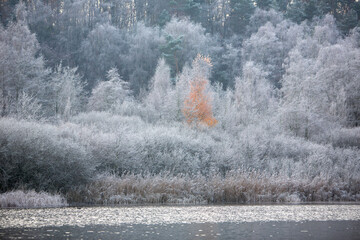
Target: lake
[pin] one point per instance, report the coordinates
(313, 221)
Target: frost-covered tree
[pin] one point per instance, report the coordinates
(270, 45)
(255, 98)
(197, 106)
(226, 109)
(338, 70)
(143, 54)
(182, 90)
(261, 17)
(68, 91)
(192, 39)
(320, 83)
(108, 93)
(160, 94)
(71, 27)
(21, 67)
(104, 47)
(28, 107)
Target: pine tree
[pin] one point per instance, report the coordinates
(170, 52)
(241, 11)
(264, 4)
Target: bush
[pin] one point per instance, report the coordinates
(31, 199)
(40, 156)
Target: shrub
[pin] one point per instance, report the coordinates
(31, 199)
(41, 157)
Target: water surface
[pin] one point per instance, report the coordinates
(184, 222)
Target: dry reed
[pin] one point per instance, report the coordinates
(235, 187)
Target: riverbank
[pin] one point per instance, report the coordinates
(235, 187)
(165, 189)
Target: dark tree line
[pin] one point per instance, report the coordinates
(226, 17)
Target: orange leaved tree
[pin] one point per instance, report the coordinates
(197, 108)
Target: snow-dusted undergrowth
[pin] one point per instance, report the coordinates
(180, 164)
(31, 199)
(236, 187)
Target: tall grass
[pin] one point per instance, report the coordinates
(235, 187)
(31, 199)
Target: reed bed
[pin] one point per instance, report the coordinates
(233, 188)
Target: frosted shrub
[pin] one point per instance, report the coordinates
(346, 137)
(27, 107)
(38, 156)
(108, 93)
(31, 199)
(128, 144)
(167, 149)
(132, 108)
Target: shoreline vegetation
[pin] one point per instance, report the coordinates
(102, 158)
(93, 159)
(235, 188)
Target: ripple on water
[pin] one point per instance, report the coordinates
(115, 216)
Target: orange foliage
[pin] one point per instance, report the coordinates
(197, 108)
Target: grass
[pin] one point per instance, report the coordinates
(31, 199)
(236, 187)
